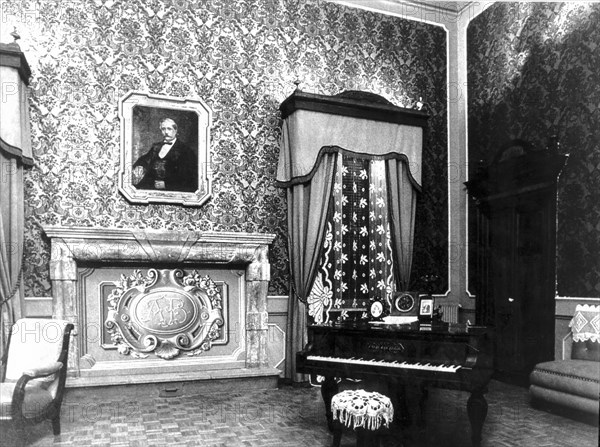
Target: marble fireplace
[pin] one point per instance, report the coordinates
(161, 306)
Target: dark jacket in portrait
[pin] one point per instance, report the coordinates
(178, 169)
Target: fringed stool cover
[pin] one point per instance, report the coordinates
(362, 409)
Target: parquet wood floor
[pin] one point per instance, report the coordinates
(294, 417)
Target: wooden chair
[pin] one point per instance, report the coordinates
(34, 371)
(368, 413)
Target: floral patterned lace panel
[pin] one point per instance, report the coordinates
(357, 263)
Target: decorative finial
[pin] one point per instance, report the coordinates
(420, 103)
(553, 143)
(480, 167)
(15, 35)
(297, 83)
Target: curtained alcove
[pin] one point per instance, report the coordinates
(317, 132)
(15, 155)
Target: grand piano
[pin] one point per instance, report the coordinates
(445, 355)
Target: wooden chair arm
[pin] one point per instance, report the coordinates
(19, 391)
(44, 370)
(3, 364)
(18, 397)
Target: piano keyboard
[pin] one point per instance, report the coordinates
(393, 364)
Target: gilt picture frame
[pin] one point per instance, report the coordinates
(165, 149)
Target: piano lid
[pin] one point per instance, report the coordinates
(439, 328)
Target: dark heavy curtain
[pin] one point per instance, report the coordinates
(11, 242)
(402, 197)
(15, 154)
(307, 208)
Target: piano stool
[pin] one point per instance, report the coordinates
(368, 413)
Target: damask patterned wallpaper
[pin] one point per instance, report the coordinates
(534, 69)
(241, 57)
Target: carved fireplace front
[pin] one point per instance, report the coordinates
(153, 306)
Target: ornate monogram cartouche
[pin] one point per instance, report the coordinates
(164, 312)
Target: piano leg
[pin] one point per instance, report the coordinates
(424, 394)
(337, 437)
(477, 409)
(329, 388)
(402, 411)
(366, 439)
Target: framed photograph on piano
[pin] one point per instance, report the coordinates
(425, 307)
(376, 310)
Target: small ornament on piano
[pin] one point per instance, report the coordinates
(438, 312)
(376, 310)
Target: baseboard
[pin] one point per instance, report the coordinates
(179, 387)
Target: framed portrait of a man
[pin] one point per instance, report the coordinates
(165, 149)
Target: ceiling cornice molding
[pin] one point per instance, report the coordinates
(454, 8)
(442, 13)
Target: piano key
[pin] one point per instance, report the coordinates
(394, 364)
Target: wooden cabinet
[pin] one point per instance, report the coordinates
(515, 252)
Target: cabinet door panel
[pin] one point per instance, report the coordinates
(515, 253)
(535, 281)
(507, 312)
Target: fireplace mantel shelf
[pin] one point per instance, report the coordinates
(122, 245)
(127, 234)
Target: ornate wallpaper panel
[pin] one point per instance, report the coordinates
(241, 57)
(534, 70)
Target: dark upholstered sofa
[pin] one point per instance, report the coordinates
(572, 384)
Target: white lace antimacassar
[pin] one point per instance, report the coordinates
(585, 324)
